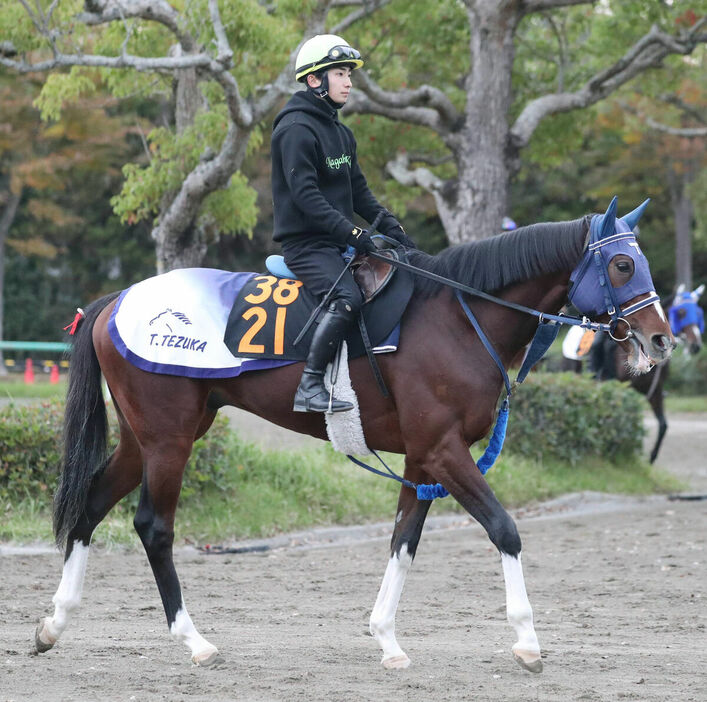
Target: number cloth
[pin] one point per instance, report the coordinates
(175, 323)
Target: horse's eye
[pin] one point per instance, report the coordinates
(681, 313)
(623, 267)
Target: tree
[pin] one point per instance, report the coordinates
(229, 65)
(221, 96)
(517, 64)
(55, 185)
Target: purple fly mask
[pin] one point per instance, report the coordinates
(591, 290)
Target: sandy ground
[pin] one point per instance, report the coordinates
(617, 585)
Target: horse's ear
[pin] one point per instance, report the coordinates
(697, 292)
(608, 220)
(631, 219)
(681, 289)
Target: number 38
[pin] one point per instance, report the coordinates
(284, 293)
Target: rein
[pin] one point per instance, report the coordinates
(583, 322)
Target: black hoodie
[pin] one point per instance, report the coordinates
(317, 184)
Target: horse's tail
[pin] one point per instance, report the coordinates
(85, 426)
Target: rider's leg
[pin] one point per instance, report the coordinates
(312, 395)
(319, 265)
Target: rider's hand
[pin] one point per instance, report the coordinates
(398, 233)
(361, 241)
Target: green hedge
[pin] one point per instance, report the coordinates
(688, 374)
(560, 415)
(570, 416)
(31, 444)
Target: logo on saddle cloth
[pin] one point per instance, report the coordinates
(164, 332)
(270, 312)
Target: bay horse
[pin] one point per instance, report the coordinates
(443, 387)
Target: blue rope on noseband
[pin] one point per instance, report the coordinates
(433, 491)
(497, 438)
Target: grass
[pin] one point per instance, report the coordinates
(269, 492)
(13, 387)
(685, 403)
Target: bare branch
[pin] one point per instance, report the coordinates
(689, 132)
(685, 107)
(225, 54)
(648, 52)
(430, 160)
(138, 63)
(400, 169)
(159, 11)
(368, 8)
(425, 117)
(530, 6)
(426, 105)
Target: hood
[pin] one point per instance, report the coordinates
(304, 101)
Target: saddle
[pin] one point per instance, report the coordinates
(272, 308)
(372, 274)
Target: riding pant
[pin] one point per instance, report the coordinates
(318, 265)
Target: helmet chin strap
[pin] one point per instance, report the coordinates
(322, 92)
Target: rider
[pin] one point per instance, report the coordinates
(317, 186)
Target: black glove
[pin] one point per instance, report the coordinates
(398, 233)
(361, 241)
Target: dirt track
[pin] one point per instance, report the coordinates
(618, 589)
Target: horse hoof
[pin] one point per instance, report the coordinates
(529, 660)
(208, 659)
(396, 662)
(43, 642)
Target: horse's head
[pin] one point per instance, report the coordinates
(613, 282)
(687, 320)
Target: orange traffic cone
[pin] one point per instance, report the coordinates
(29, 372)
(54, 375)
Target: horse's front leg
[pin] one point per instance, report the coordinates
(457, 471)
(409, 521)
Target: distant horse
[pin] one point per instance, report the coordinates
(687, 324)
(443, 388)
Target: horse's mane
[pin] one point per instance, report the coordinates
(493, 264)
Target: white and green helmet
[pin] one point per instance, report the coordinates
(322, 51)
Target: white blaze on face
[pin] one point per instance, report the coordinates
(660, 311)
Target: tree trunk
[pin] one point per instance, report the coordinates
(184, 246)
(683, 212)
(482, 191)
(679, 177)
(6, 220)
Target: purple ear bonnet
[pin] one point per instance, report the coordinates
(685, 311)
(591, 290)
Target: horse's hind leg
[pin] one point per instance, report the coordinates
(154, 523)
(409, 521)
(121, 475)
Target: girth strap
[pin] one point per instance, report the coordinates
(371, 356)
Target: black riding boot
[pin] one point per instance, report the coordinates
(312, 395)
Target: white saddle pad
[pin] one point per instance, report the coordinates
(174, 324)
